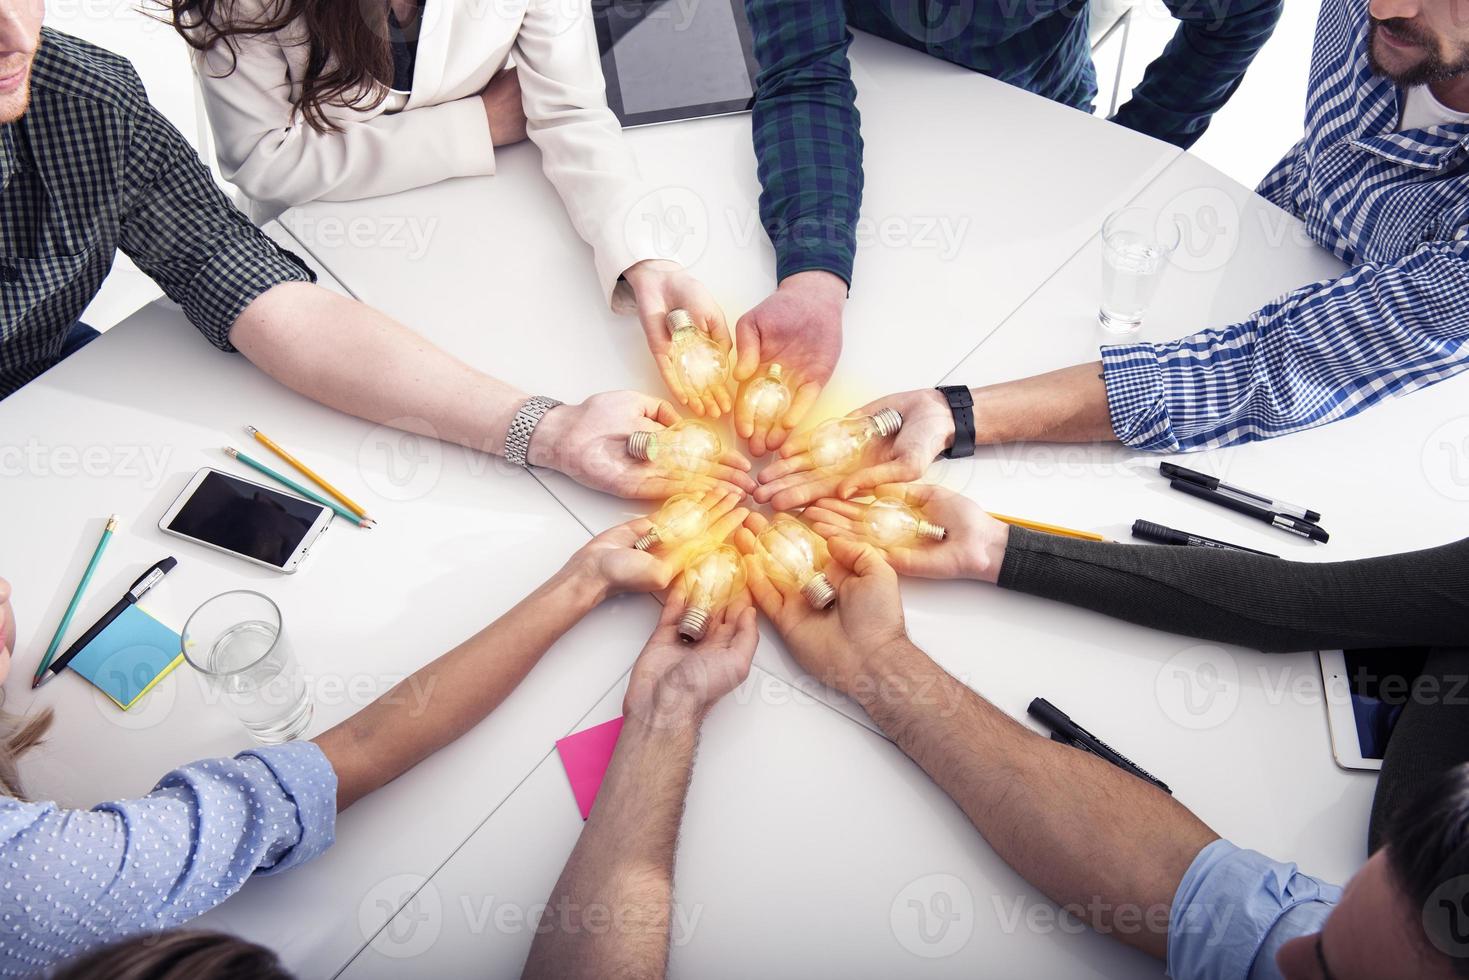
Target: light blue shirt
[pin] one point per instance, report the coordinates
(1235, 908)
(72, 880)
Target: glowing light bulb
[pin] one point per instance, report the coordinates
(793, 554)
(700, 362)
(838, 443)
(690, 446)
(768, 397)
(712, 577)
(681, 518)
(891, 521)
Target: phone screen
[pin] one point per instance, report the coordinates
(1380, 682)
(250, 520)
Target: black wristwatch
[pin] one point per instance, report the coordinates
(961, 403)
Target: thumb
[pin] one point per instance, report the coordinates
(861, 558)
(747, 342)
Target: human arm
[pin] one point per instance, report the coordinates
(1200, 68)
(1069, 405)
(1098, 841)
(808, 147)
(1418, 598)
(267, 149)
(444, 699)
(621, 870)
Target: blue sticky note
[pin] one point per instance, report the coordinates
(134, 652)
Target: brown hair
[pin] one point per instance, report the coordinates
(176, 955)
(17, 736)
(347, 61)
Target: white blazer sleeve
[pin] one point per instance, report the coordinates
(582, 149)
(267, 150)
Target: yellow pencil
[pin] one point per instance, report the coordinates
(1065, 532)
(271, 444)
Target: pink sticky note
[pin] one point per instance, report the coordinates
(586, 755)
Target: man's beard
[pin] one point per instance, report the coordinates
(1428, 71)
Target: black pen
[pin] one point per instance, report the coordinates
(1063, 729)
(1159, 534)
(1175, 472)
(1285, 522)
(145, 582)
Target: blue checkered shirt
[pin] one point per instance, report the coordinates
(806, 127)
(92, 168)
(1393, 204)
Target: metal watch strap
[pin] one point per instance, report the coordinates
(961, 403)
(517, 438)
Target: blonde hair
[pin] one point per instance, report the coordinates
(18, 735)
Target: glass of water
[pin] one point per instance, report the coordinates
(1136, 245)
(235, 641)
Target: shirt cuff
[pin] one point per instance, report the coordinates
(827, 244)
(234, 277)
(310, 782)
(1136, 399)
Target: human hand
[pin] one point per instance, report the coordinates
(795, 480)
(7, 630)
(616, 566)
(504, 108)
(659, 286)
(974, 546)
(674, 683)
(588, 442)
(799, 327)
(833, 645)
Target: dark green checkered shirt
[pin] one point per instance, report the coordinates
(92, 168)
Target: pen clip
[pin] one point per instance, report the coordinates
(151, 577)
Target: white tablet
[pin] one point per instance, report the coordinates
(666, 60)
(1365, 693)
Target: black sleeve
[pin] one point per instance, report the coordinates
(1420, 598)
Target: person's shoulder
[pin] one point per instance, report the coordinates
(69, 68)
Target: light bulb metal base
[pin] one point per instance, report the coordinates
(641, 445)
(693, 624)
(888, 421)
(679, 320)
(819, 592)
(648, 541)
(929, 531)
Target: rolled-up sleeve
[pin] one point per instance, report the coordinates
(181, 230)
(1234, 906)
(79, 879)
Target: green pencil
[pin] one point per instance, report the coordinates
(255, 464)
(76, 598)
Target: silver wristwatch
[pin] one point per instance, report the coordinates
(517, 439)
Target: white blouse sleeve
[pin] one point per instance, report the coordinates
(582, 148)
(267, 150)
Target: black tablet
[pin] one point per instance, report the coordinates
(675, 59)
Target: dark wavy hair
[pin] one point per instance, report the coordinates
(177, 955)
(1428, 851)
(348, 59)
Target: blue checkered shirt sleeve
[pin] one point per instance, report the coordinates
(807, 134)
(1322, 353)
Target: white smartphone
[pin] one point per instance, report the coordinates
(248, 520)
(1365, 692)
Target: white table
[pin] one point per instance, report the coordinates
(806, 834)
(811, 834)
